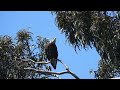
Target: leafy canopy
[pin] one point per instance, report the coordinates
(99, 29)
(13, 52)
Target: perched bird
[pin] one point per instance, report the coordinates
(52, 52)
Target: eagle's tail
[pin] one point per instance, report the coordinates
(54, 63)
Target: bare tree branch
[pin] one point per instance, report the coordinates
(63, 63)
(46, 72)
(72, 74)
(58, 76)
(43, 62)
(68, 70)
(49, 72)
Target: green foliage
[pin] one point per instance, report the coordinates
(9, 67)
(23, 36)
(99, 29)
(12, 55)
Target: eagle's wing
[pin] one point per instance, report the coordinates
(52, 53)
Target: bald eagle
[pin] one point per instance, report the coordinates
(52, 52)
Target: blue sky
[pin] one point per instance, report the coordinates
(43, 23)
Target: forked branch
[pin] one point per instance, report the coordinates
(50, 72)
(68, 70)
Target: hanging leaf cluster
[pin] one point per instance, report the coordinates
(99, 29)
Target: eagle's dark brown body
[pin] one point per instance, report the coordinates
(51, 53)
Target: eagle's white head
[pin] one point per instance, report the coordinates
(53, 40)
